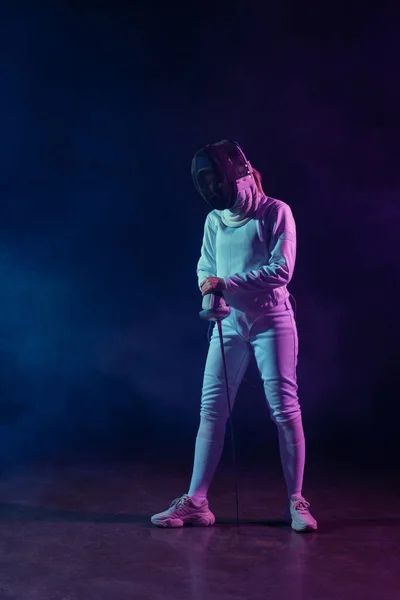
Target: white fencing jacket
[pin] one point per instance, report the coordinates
(256, 260)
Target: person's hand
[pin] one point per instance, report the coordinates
(212, 284)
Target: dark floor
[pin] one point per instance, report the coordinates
(84, 533)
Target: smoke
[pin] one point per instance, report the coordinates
(100, 228)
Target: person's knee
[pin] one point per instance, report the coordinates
(213, 416)
(214, 405)
(291, 430)
(286, 416)
(283, 402)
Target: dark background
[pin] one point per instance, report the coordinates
(103, 104)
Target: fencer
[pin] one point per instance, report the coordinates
(248, 253)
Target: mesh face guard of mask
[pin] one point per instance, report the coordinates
(219, 172)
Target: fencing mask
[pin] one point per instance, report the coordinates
(220, 171)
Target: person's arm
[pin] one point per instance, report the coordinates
(206, 266)
(280, 267)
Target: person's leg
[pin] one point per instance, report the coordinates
(214, 404)
(275, 341)
(193, 507)
(292, 449)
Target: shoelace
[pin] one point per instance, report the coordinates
(301, 506)
(178, 502)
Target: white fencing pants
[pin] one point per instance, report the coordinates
(272, 336)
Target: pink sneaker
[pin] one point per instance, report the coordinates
(298, 515)
(183, 511)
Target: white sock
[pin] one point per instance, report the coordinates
(208, 449)
(293, 451)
